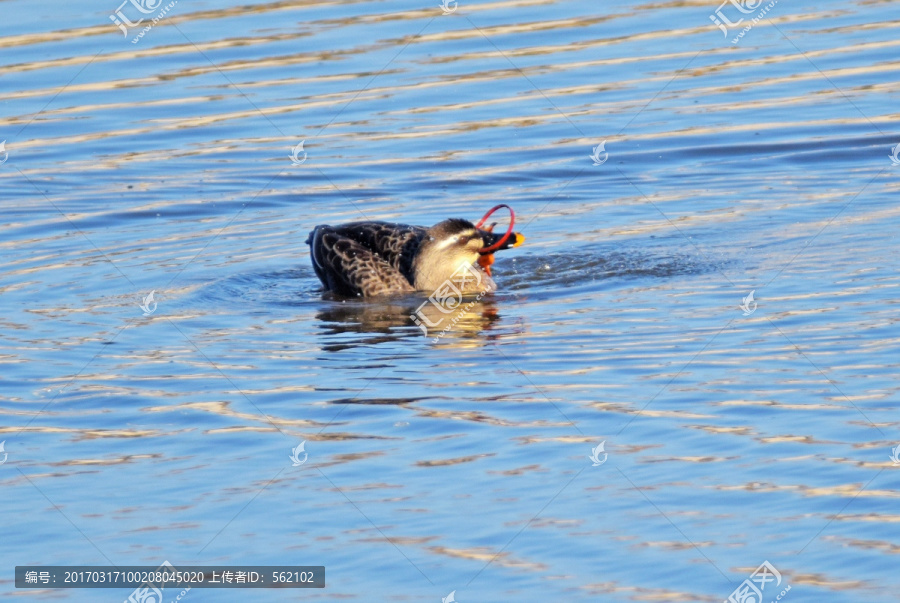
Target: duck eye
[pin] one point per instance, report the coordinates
(462, 240)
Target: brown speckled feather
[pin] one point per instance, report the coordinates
(395, 243)
(365, 258)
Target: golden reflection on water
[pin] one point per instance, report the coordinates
(464, 326)
(377, 94)
(224, 409)
(844, 490)
(91, 434)
(501, 558)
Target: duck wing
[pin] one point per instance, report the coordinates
(348, 262)
(397, 244)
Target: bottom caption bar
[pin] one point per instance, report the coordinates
(165, 576)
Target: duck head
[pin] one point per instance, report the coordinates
(452, 244)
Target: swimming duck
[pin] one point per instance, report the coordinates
(366, 259)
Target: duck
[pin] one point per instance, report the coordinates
(372, 258)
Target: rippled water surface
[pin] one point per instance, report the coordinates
(461, 462)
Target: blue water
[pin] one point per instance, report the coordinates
(460, 463)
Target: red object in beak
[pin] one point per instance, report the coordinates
(487, 250)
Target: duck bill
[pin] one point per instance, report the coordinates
(492, 241)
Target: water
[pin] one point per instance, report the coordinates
(458, 463)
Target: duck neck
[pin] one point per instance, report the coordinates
(428, 272)
(432, 275)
